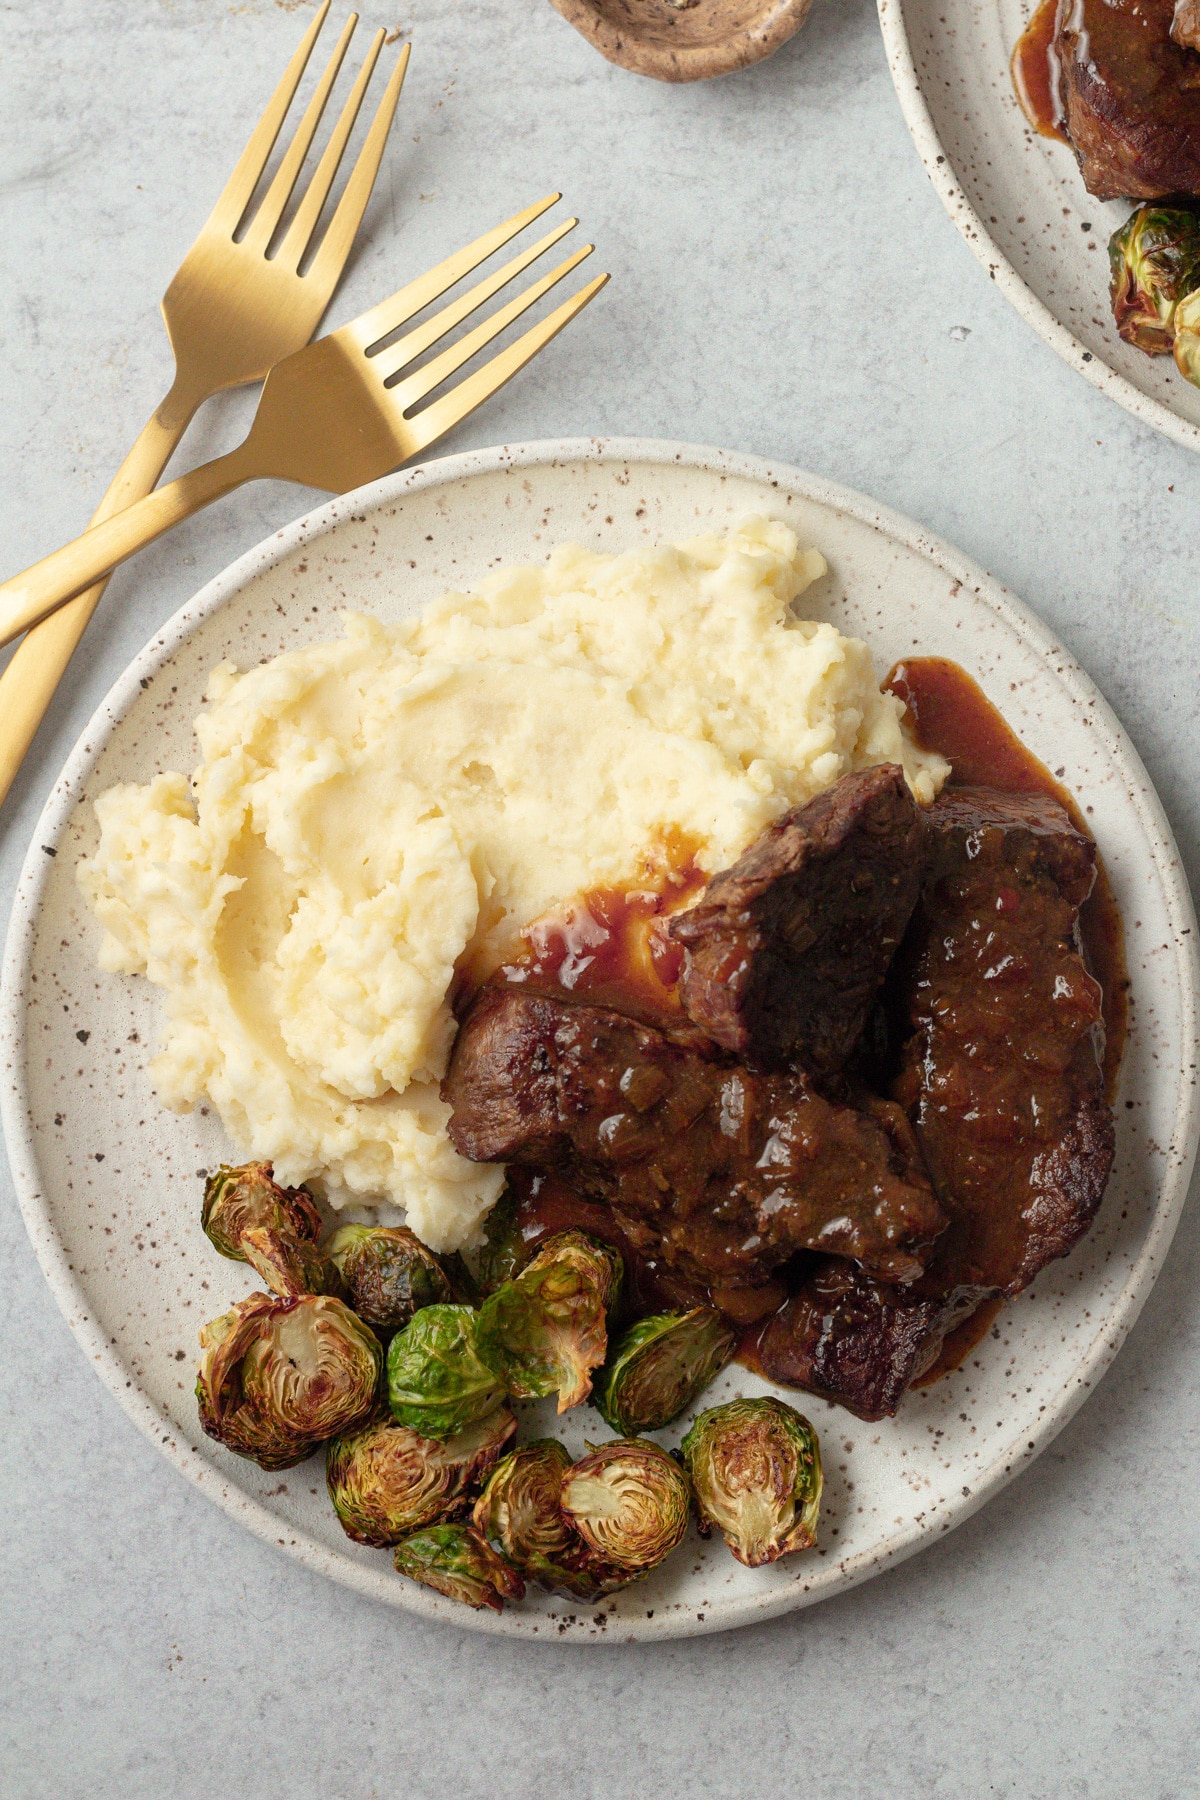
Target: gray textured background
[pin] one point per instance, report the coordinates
(787, 283)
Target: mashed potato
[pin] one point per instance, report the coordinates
(371, 812)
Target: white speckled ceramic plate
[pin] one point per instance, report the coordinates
(1019, 199)
(110, 1182)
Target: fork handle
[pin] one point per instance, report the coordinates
(38, 664)
(29, 597)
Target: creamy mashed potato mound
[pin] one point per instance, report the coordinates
(369, 813)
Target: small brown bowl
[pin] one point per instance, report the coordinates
(685, 40)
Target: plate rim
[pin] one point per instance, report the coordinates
(984, 248)
(14, 1111)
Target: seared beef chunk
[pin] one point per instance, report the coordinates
(1131, 95)
(720, 1173)
(857, 1341)
(1001, 1077)
(787, 949)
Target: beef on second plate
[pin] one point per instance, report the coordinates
(720, 1172)
(786, 950)
(1003, 1083)
(1131, 95)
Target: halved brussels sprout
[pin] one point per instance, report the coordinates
(386, 1481)
(1187, 337)
(389, 1272)
(456, 1561)
(281, 1374)
(290, 1265)
(236, 1199)
(756, 1473)
(520, 1511)
(1155, 262)
(660, 1366)
(629, 1500)
(547, 1329)
(437, 1384)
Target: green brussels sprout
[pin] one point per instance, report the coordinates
(1155, 262)
(756, 1474)
(437, 1384)
(629, 1500)
(236, 1199)
(389, 1272)
(519, 1510)
(504, 1249)
(547, 1329)
(386, 1481)
(660, 1366)
(1187, 337)
(456, 1561)
(281, 1373)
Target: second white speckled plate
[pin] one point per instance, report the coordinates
(1019, 199)
(109, 1182)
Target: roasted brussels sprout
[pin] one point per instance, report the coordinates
(660, 1366)
(547, 1329)
(236, 1199)
(629, 1500)
(280, 1374)
(390, 1274)
(456, 1561)
(437, 1384)
(756, 1474)
(1155, 262)
(1187, 337)
(290, 1265)
(386, 1481)
(504, 1249)
(520, 1511)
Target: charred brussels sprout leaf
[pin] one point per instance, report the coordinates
(659, 1367)
(520, 1511)
(504, 1249)
(547, 1329)
(386, 1481)
(437, 1384)
(281, 1374)
(390, 1274)
(756, 1473)
(237, 1199)
(1155, 263)
(456, 1561)
(290, 1265)
(629, 1500)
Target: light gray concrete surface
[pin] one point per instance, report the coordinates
(785, 282)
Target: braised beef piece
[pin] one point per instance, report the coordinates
(720, 1173)
(1130, 88)
(856, 1341)
(787, 949)
(1003, 1084)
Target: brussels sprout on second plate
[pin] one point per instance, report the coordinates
(281, 1374)
(456, 1561)
(629, 1500)
(1155, 263)
(520, 1511)
(235, 1199)
(547, 1329)
(660, 1366)
(390, 1274)
(756, 1473)
(437, 1384)
(386, 1481)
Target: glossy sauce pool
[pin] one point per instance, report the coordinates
(1035, 74)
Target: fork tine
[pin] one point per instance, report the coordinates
(335, 247)
(437, 419)
(250, 164)
(407, 393)
(262, 226)
(380, 321)
(416, 342)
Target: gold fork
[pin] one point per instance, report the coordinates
(335, 414)
(230, 314)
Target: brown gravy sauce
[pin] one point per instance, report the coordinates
(611, 941)
(1035, 74)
